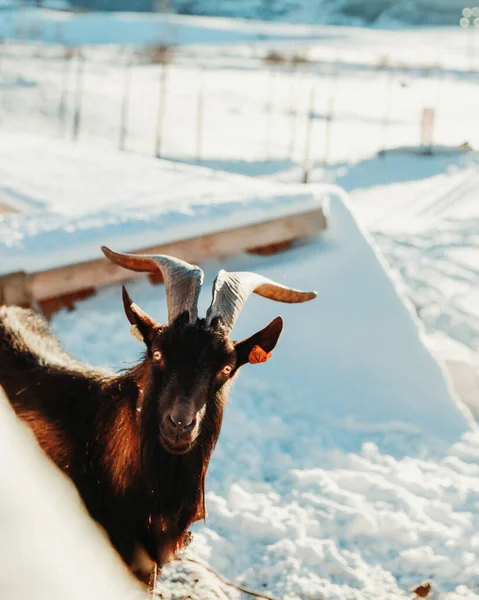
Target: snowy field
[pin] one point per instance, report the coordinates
(224, 105)
(335, 476)
(344, 470)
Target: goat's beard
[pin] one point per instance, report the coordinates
(178, 450)
(173, 485)
(157, 461)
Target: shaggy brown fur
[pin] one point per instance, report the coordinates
(113, 435)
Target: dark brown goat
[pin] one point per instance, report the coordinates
(137, 444)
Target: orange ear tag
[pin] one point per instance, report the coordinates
(258, 355)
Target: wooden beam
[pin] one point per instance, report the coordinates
(97, 273)
(15, 289)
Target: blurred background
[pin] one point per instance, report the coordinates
(378, 96)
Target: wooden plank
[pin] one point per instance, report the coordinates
(97, 273)
(50, 306)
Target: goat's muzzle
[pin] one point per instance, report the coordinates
(178, 431)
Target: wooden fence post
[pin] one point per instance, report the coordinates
(427, 127)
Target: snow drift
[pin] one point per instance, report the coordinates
(345, 469)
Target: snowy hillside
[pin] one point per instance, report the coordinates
(379, 13)
(62, 27)
(337, 12)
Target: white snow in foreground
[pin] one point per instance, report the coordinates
(49, 548)
(74, 199)
(334, 476)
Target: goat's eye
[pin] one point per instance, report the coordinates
(227, 370)
(157, 356)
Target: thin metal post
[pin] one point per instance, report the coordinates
(472, 50)
(78, 96)
(161, 109)
(62, 107)
(199, 119)
(308, 137)
(386, 120)
(293, 109)
(2, 51)
(330, 114)
(268, 113)
(125, 104)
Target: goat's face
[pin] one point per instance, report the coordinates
(188, 365)
(188, 369)
(190, 361)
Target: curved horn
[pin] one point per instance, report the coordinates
(182, 280)
(231, 290)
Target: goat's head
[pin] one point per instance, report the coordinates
(190, 361)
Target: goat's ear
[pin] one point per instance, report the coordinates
(143, 327)
(258, 347)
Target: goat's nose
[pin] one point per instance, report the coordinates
(181, 420)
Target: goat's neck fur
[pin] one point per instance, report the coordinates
(87, 421)
(171, 486)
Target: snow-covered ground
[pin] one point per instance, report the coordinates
(223, 105)
(428, 227)
(334, 476)
(424, 214)
(303, 503)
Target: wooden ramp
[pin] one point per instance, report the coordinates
(61, 287)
